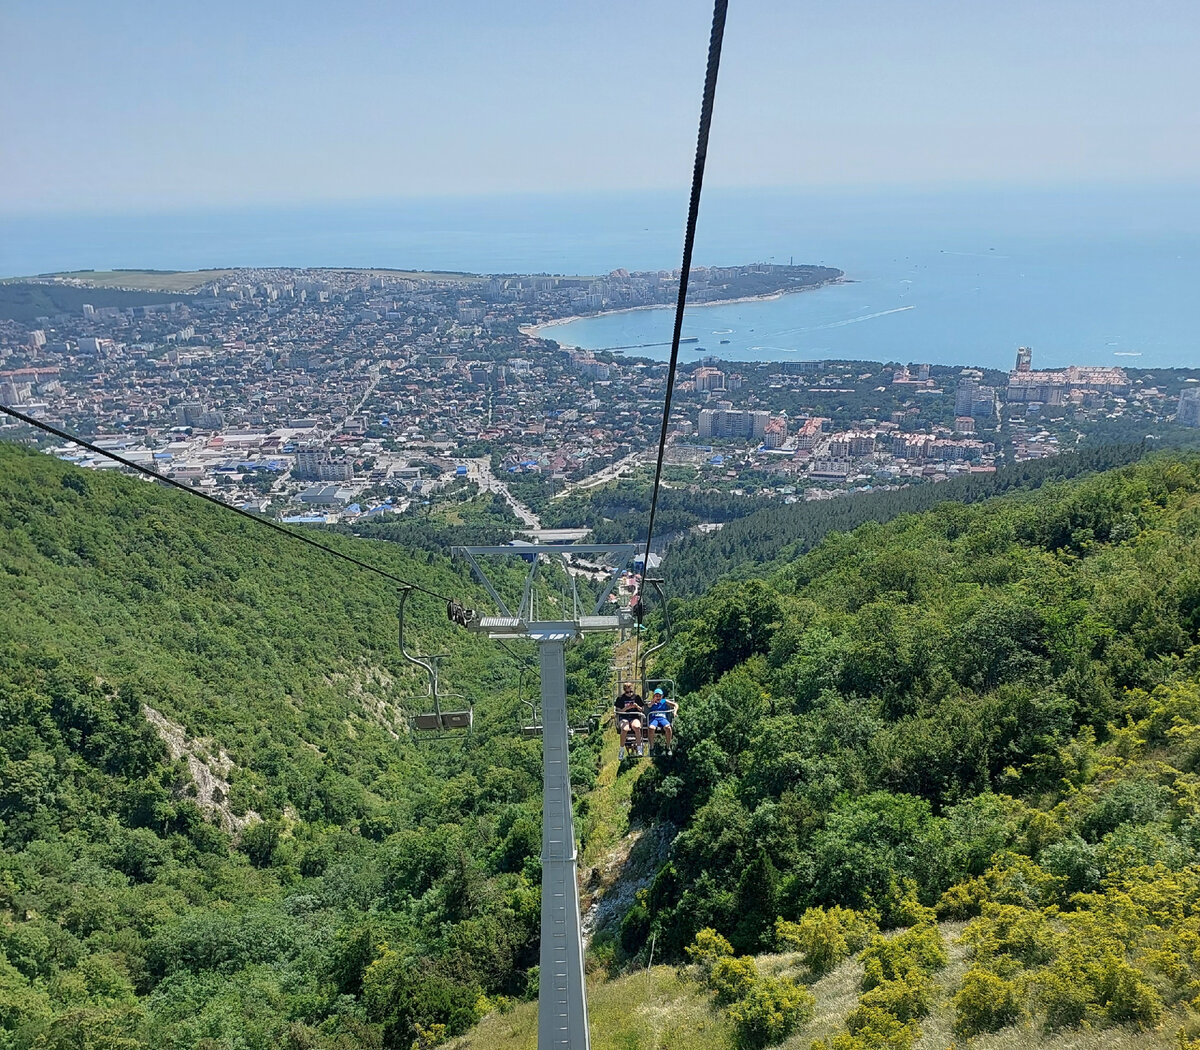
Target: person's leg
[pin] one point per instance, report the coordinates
(669, 732)
(639, 736)
(650, 735)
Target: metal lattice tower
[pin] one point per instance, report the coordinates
(562, 999)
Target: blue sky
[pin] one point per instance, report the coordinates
(127, 105)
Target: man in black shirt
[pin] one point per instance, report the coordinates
(629, 718)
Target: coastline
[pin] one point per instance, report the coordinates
(534, 330)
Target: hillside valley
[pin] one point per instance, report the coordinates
(936, 783)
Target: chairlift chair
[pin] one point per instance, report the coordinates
(437, 721)
(646, 686)
(534, 727)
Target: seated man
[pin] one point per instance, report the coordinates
(661, 711)
(629, 718)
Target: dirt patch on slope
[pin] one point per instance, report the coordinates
(209, 768)
(611, 887)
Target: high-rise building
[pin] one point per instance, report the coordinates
(14, 393)
(707, 378)
(1024, 359)
(725, 421)
(194, 414)
(809, 433)
(964, 397)
(973, 398)
(188, 414)
(776, 433)
(315, 464)
(1053, 387)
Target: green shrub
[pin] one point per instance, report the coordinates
(1105, 991)
(763, 1010)
(1131, 801)
(826, 936)
(906, 999)
(918, 950)
(707, 949)
(985, 1003)
(1127, 997)
(872, 1028)
(635, 928)
(733, 978)
(1008, 938)
(964, 900)
(770, 1010)
(1064, 997)
(1075, 861)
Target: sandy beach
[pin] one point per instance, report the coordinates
(534, 331)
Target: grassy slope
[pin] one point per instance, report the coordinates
(663, 1009)
(655, 1009)
(147, 280)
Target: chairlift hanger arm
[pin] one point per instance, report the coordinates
(525, 612)
(426, 665)
(657, 585)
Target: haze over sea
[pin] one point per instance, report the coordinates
(1084, 276)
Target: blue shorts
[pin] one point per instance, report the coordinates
(660, 721)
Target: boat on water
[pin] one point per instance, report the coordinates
(724, 342)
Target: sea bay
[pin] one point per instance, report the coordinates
(1100, 278)
(1085, 275)
(1104, 303)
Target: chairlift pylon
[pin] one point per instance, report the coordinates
(437, 721)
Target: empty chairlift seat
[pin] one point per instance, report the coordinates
(433, 721)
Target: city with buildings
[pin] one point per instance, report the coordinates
(323, 395)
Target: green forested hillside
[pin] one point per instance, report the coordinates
(765, 539)
(349, 885)
(986, 713)
(943, 771)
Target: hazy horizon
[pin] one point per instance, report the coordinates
(596, 232)
(136, 108)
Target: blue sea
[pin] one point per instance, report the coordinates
(1099, 275)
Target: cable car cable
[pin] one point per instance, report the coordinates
(266, 522)
(706, 110)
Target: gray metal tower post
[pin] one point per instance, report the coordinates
(562, 1004)
(562, 998)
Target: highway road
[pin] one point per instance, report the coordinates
(480, 471)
